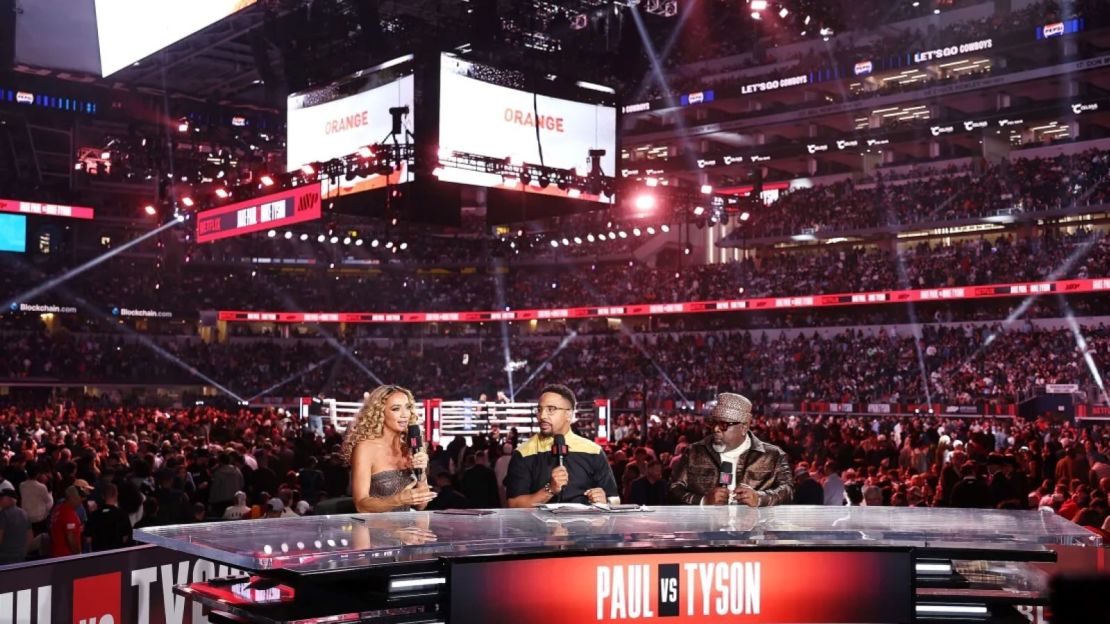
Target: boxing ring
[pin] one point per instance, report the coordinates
(446, 420)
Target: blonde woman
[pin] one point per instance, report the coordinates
(381, 464)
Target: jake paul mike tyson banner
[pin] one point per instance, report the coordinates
(797, 587)
(133, 585)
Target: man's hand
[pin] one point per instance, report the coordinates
(559, 478)
(747, 496)
(717, 496)
(596, 496)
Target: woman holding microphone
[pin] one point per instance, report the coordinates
(383, 469)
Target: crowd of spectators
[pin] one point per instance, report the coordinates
(191, 287)
(76, 479)
(973, 365)
(1022, 185)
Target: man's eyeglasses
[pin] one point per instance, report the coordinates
(550, 410)
(721, 425)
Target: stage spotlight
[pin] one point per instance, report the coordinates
(577, 240)
(665, 227)
(783, 12)
(544, 181)
(645, 202)
(590, 237)
(321, 238)
(358, 243)
(304, 237)
(759, 5)
(150, 210)
(266, 180)
(389, 245)
(271, 233)
(706, 189)
(404, 246)
(374, 243)
(288, 235)
(574, 193)
(333, 240)
(347, 240)
(222, 193)
(525, 177)
(308, 170)
(365, 152)
(183, 125)
(744, 216)
(612, 236)
(756, 15)
(566, 242)
(652, 182)
(651, 231)
(699, 211)
(622, 234)
(106, 155)
(188, 202)
(554, 243)
(636, 231)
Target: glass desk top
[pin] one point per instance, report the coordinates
(347, 542)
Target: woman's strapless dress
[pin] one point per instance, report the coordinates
(388, 482)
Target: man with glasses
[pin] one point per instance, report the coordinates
(535, 477)
(760, 473)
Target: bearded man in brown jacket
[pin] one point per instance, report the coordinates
(759, 472)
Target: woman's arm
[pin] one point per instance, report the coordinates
(420, 463)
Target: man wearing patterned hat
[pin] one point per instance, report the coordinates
(760, 474)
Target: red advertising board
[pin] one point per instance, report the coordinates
(688, 307)
(264, 213)
(128, 585)
(45, 210)
(799, 587)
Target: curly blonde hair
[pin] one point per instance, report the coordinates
(369, 422)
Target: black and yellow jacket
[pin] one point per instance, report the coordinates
(531, 465)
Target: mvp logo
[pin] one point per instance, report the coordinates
(96, 599)
(308, 202)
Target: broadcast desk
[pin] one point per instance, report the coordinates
(683, 564)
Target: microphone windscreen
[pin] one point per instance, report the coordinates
(559, 445)
(415, 438)
(726, 473)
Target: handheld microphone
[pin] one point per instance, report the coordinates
(416, 444)
(725, 478)
(559, 449)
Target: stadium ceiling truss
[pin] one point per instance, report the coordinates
(218, 62)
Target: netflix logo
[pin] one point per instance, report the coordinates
(96, 599)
